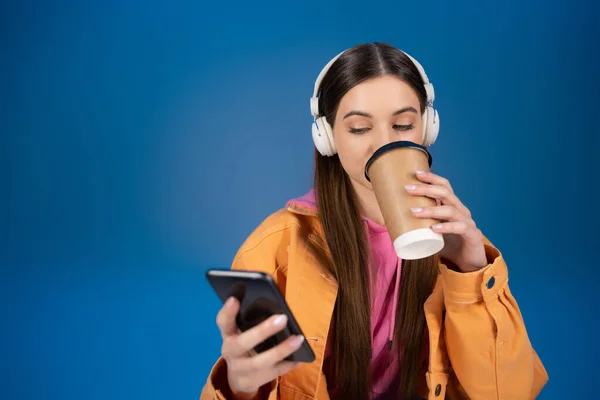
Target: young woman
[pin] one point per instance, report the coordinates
(444, 327)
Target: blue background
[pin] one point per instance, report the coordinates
(143, 141)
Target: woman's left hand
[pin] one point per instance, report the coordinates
(463, 240)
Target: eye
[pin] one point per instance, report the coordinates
(403, 127)
(358, 131)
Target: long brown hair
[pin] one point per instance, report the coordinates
(348, 246)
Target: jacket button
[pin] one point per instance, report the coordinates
(438, 390)
(491, 282)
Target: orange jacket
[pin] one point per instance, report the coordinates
(479, 348)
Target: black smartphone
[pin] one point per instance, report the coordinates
(259, 299)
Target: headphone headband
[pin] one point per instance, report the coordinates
(314, 101)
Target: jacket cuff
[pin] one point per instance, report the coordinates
(217, 386)
(470, 287)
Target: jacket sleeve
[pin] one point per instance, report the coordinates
(217, 388)
(261, 252)
(486, 339)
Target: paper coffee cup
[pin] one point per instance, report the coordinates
(389, 170)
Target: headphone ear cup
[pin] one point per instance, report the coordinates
(319, 140)
(431, 126)
(323, 137)
(434, 126)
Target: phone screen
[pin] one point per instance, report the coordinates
(258, 301)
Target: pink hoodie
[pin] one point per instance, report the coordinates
(384, 295)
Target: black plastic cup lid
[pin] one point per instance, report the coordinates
(395, 145)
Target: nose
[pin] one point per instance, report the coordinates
(386, 135)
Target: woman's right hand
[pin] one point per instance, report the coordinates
(246, 374)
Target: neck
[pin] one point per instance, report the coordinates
(367, 203)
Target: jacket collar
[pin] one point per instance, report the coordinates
(305, 205)
(301, 209)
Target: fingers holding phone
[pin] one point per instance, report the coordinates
(247, 373)
(226, 317)
(262, 339)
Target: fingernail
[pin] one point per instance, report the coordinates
(297, 341)
(417, 209)
(437, 226)
(229, 302)
(410, 187)
(420, 172)
(280, 320)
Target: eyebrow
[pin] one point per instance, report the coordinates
(364, 114)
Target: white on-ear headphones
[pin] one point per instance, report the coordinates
(322, 131)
